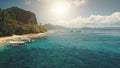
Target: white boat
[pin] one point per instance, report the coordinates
(20, 42)
(27, 40)
(16, 43)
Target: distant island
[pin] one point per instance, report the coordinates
(17, 21)
(55, 27)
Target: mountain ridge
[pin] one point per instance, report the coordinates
(22, 15)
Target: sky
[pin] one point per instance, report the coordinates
(71, 13)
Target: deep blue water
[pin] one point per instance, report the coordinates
(65, 50)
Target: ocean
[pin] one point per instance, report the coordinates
(65, 49)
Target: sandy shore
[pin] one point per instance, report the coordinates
(6, 39)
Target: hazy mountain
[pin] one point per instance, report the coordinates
(102, 28)
(54, 27)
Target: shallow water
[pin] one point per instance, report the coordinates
(65, 50)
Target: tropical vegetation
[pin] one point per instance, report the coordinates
(10, 24)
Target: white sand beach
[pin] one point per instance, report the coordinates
(6, 39)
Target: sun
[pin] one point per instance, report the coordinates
(59, 9)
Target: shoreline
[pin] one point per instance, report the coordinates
(4, 40)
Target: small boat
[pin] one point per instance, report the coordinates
(71, 30)
(16, 43)
(20, 42)
(26, 40)
(78, 31)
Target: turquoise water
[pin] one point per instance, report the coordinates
(65, 50)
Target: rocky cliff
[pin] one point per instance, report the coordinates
(22, 15)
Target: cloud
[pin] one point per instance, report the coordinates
(70, 3)
(76, 3)
(27, 2)
(112, 20)
(38, 0)
(97, 20)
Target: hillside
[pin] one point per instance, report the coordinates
(22, 15)
(18, 21)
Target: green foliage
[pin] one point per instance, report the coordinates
(6, 30)
(10, 25)
(42, 28)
